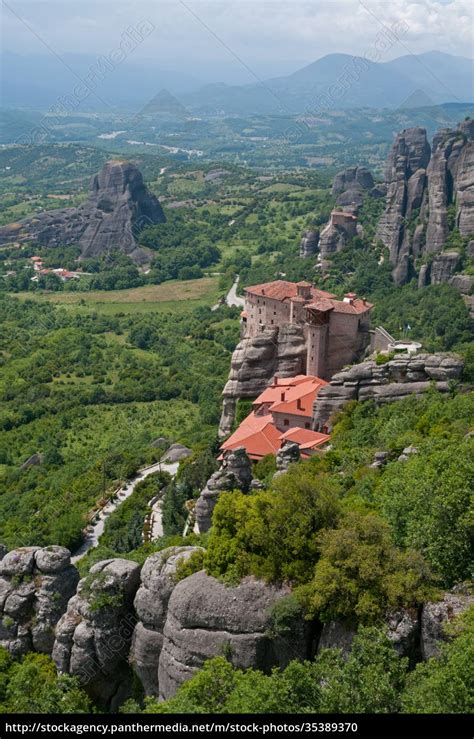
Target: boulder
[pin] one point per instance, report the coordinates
(35, 587)
(437, 615)
(337, 635)
(32, 461)
(176, 453)
(206, 618)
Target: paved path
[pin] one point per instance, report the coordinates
(96, 529)
(232, 298)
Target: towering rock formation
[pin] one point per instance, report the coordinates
(406, 178)
(235, 473)
(118, 207)
(255, 361)
(35, 586)
(423, 188)
(309, 243)
(340, 229)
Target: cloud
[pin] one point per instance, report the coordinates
(258, 32)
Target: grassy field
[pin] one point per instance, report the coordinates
(146, 299)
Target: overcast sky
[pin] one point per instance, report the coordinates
(223, 41)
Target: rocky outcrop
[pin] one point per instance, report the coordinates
(32, 461)
(255, 362)
(206, 618)
(385, 383)
(335, 236)
(405, 177)
(151, 607)
(440, 269)
(35, 586)
(428, 194)
(93, 637)
(402, 628)
(288, 454)
(176, 453)
(463, 283)
(118, 207)
(309, 243)
(235, 473)
(350, 186)
(436, 617)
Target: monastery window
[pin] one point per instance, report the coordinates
(306, 425)
(271, 322)
(286, 422)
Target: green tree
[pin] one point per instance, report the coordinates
(361, 574)
(428, 502)
(34, 687)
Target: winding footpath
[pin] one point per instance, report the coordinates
(95, 530)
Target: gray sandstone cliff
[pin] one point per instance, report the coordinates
(93, 637)
(427, 189)
(151, 607)
(255, 362)
(118, 207)
(352, 184)
(206, 618)
(35, 586)
(309, 243)
(385, 383)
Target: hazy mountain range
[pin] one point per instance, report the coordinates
(336, 81)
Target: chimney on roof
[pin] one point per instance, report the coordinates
(275, 380)
(349, 298)
(263, 291)
(303, 290)
(298, 404)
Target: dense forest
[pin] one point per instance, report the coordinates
(89, 393)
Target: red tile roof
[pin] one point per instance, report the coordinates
(295, 398)
(282, 290)
(257, 434)
(320, 299)
(305, 438)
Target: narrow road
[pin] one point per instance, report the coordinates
(95, 530)
(232, 298)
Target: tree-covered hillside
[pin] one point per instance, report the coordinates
(89, 392)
